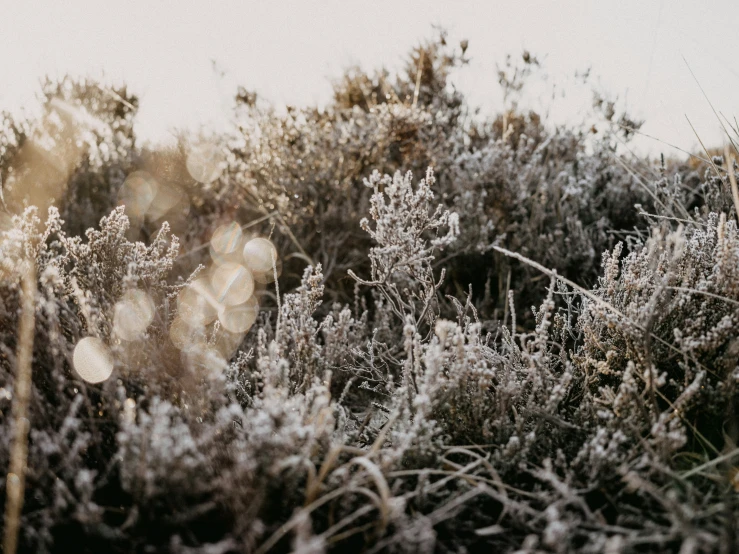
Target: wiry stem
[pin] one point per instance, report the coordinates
(16, 479)
(732, 179)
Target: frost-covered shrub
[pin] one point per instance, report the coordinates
(542, 191)
(660, 340)
(75, 155)
(395, 393)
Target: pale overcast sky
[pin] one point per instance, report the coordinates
(289, 50)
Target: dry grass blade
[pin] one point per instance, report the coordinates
(705, 293)
(643, 134)
(639, 179)
(705, 150)
(732, 179)
(710, 104)
(16, 478)
(270, 543)
(711, 463)
(382, 487)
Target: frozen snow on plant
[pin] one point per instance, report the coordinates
(393, 390)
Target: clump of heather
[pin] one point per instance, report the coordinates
(316, 333)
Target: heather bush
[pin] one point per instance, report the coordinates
(283, 339)
(538, 190)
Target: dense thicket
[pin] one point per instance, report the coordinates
(397, 392)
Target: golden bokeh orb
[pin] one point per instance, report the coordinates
(205, 162)
(92, 360)
(196, 303)
(137, 193)
(240, 318)
(232, 284)
(132, 314)
(260, 256)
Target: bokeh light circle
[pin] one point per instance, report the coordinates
(137, 193)
(92, 360)
(132, 315)
(240, 318)
(232, 284)
(196, 304)
(260, 255)
(227, 238)
(168, 201)
(205, 162)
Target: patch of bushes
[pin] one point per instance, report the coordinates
(395, 392)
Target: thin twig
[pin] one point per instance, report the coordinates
(418, 79)
(277, 295)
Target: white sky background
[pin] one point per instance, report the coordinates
(288, 51)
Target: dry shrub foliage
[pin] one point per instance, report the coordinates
(396, 394)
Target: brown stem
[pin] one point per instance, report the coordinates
(16, 479)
